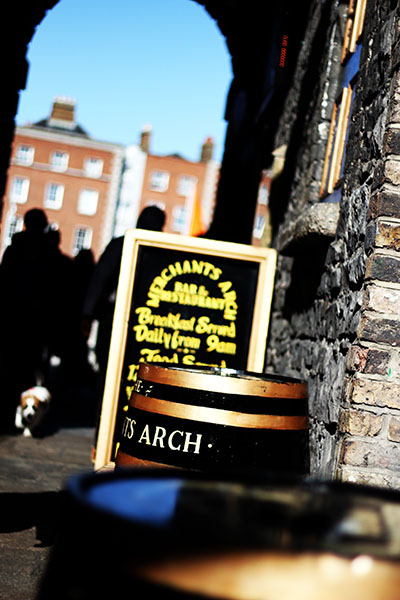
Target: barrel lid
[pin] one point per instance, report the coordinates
(225, 380)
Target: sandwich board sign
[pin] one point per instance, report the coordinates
(185, 302)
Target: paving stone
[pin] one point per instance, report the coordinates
(32, 473)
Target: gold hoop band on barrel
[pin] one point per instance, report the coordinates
(243, 385)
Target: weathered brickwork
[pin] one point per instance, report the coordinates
(375, 392)
(385, 202)
(361, 423)
(336, 309)
(382, 299)
(371, 361)
(384, 267)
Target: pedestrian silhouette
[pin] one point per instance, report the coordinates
(31, 275)
(99, 302)
(72, 346)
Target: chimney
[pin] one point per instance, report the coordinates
(207, 150)
(145, 138)
(63, 111)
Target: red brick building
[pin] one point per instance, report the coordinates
(170, 182)
(56, 166)
(92, 191)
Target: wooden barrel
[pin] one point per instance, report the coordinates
(213, 419)
(137, 533)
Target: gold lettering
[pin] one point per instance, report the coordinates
(170, 321)
(190, 360)
(178, 268)
(157, 286)
(149, 355)
(145, 315)
(186, 268)
(132, 373)
(165, 275)
(225, 286)
(153, 300)
(129, 391)
(204, 326)
(184, 341)
(214, 343)
(173, 271)
(141, 331)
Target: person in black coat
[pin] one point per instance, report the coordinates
(32, 273)
(99, 302)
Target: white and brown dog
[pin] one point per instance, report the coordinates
(32, 407)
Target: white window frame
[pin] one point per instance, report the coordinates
(14, 225)
(259, 226)
(93, 167)
(179, 217)
(263, 195)
(82, 239)
(186, 184)
(59, 160)
(19, 189)
(159, 180)
(88, 202)
(54, 196)
(25, 154)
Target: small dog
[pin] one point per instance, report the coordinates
(33, 405)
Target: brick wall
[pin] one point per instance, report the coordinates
(336, 309)
(370, 418)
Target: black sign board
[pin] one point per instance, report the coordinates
(183, 301)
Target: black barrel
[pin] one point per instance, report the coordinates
(213, 419)
(174, 535)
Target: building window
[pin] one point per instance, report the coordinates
(25, 155)
(263, 195)
(159, 181)
(340, 121)
(186, 185)
(19, 190)
(179, 216)
(82, 239)
(259, 226)
(59, 160)
(15, 224)
(334, 157)
(88, 200)
(54, 196)
(93, 167)
(354, 26)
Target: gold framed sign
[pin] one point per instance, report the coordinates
(183, 301)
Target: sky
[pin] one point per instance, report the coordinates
(131, 63)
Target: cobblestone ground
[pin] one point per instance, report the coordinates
(32, 472)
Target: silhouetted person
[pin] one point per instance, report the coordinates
(72, 380)
(99, 302)
(73, 351)
(152, 218)
(83, 267)
(30, 285)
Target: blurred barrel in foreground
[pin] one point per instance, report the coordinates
(178, 535)
(215, 419)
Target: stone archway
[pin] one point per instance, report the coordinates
(256, 35)
(15, 69)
